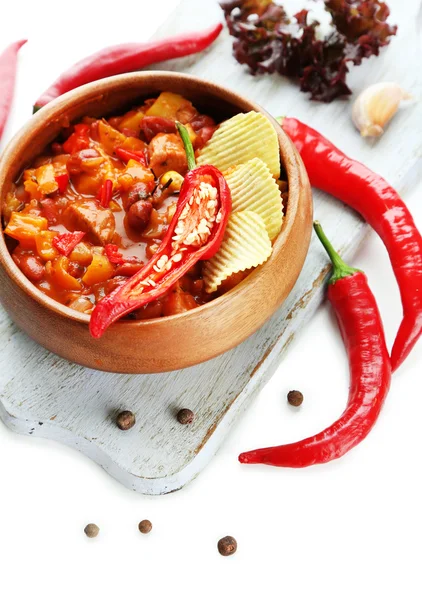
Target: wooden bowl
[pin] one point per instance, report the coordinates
(167, 343)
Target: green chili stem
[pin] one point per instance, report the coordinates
(340, 268)
(190, 153)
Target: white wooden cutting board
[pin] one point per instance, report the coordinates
(46, 396)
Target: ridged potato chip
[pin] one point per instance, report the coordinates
(254, 188)
(241, 138)
(246, 244)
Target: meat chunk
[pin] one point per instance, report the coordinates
(167, 154)
(88, 216)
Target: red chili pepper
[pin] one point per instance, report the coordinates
(62, 181)
(370, 373)
(66, 242)
(105, 193)
(116, 257)
(128, 57)
(127, 155)
(79, 140)
(381, 206)
(204, 195)
(8, 64)
(150, 126)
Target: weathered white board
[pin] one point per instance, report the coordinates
(43, 395)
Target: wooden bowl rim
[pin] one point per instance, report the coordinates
(57, 109)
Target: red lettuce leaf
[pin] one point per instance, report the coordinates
(267, 41)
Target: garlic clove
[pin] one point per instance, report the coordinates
(376, 106)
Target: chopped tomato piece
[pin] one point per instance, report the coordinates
(62, 181)
(66, 242)
(79, 139)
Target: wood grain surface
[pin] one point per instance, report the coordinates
(44, 395)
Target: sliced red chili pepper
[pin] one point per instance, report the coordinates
(128, 57)
(105, 193)
(79, 140)
(195, 233)
(116, 257)
(370, 373)
(329, 169)
(127, 155)
(66, 242)
(151, 126)
(62, 182)
(8, 64)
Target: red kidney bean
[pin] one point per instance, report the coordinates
(75, 269)
(128, 269)
(200, 121)
(74, 164)
(139, 214)
(31, 267)
(140, 191)
(150, 126)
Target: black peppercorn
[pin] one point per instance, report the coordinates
(185, 416)
(91, 530)
(227, 546)
(295, 398)
(145, 526)
(125, 420)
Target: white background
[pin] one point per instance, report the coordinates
(350, 529)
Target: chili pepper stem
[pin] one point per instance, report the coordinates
(340, 268)
(190, 152)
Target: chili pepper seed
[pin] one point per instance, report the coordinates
(295, 398)
(145, 526)
(91, 530)
(125, 420)
(227, 546)
(185, 416)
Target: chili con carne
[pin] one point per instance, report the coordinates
(124, 58)
(195, 233)
(8, 64)
(370, 373)
(381, 206)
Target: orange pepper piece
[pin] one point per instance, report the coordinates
(61, 277)
(98, 271)
(46, 177)
(44, 244)
(25, 227)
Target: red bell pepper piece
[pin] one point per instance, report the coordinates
(62, 181)
(105, 193)
(79, 139)
(195, 233)
(127, 155)
(66, 242)
(116, 257)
